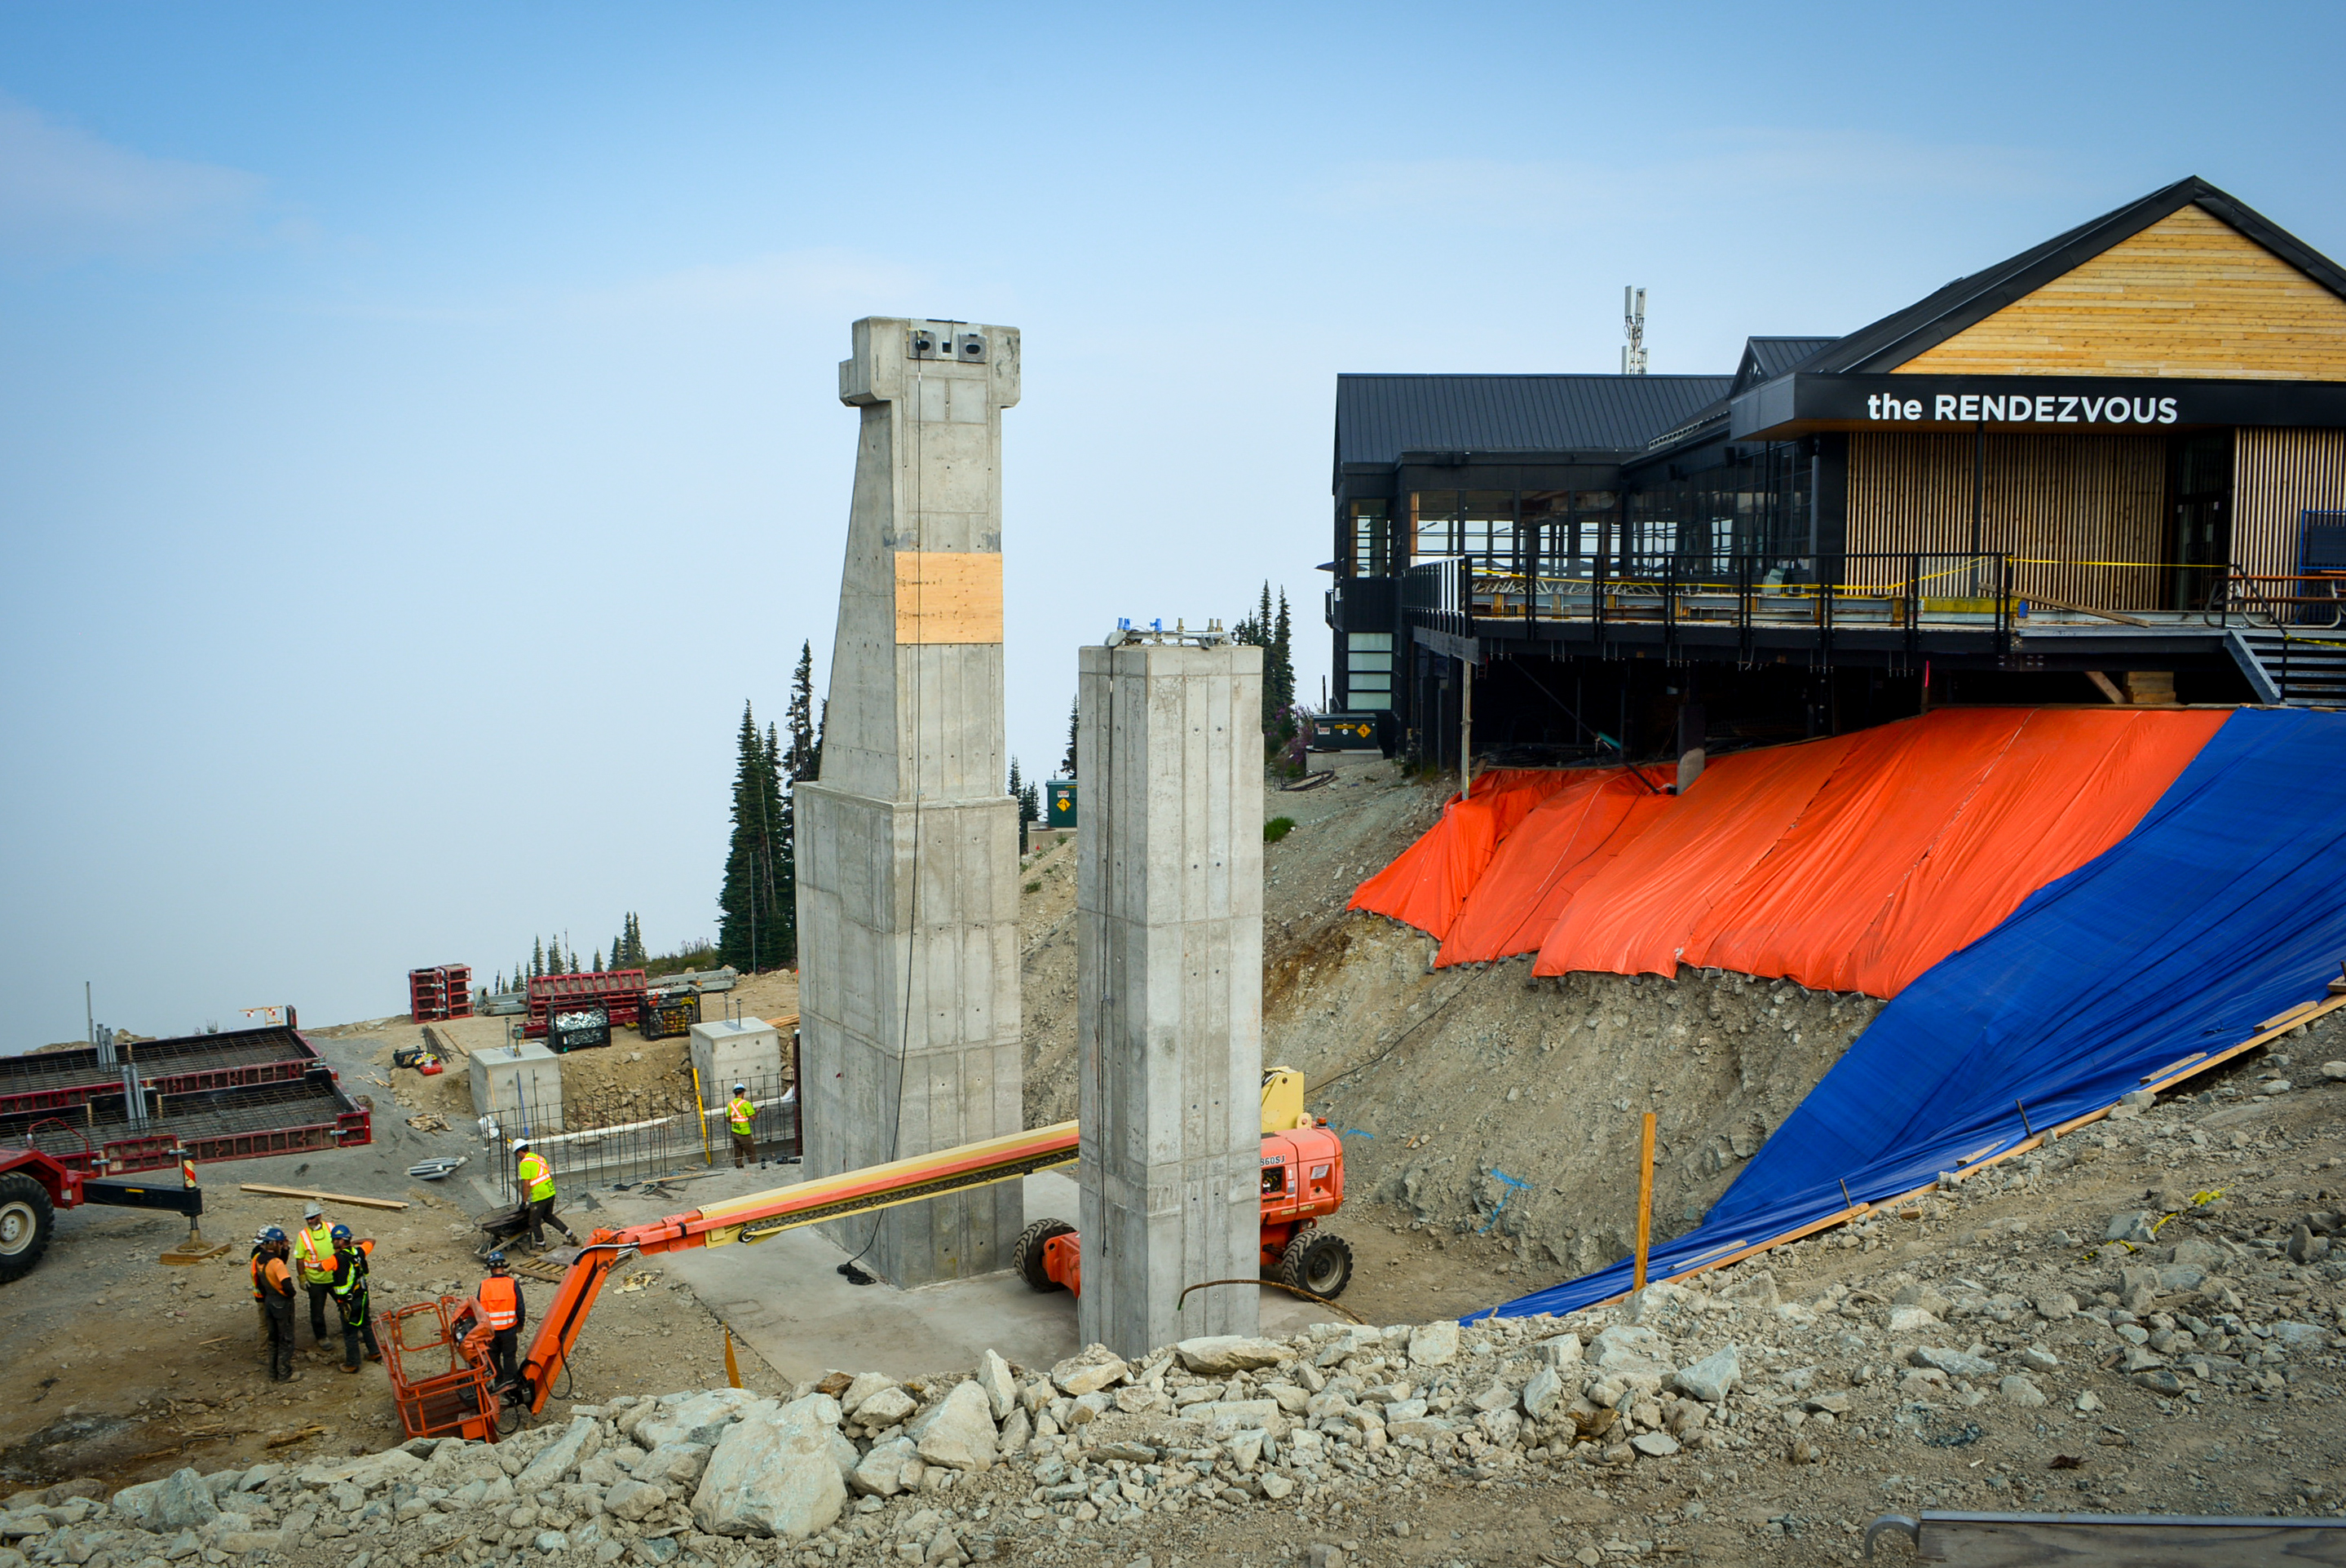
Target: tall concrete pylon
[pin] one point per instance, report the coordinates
(907, 846)
(1169, 943)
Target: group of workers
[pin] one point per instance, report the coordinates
(330, 1265)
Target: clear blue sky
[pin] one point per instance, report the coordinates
(418, 429)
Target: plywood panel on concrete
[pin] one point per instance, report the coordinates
(948, 596)
(2189, 296)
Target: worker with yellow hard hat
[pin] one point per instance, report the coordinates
(741, 1116)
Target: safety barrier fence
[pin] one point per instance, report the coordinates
(643, 1136)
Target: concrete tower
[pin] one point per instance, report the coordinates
(907, 847)
(1168, 910)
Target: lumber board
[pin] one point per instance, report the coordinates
(2135, 1541)
(265, 1190)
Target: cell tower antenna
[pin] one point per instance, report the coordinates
(1633, 322)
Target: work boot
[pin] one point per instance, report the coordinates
(352, 1371)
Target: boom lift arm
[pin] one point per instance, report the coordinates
(755, 1218)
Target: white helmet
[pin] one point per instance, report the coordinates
(519, 1145)
(740, 1088)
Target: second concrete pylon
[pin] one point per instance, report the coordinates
(1169, 901)
(907, 846)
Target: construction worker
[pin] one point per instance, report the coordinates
(742, 1116)
(260, 1302)
(503, 1312)
(274, 1280)
(313, 1252)
(351, 1297)
(535, 1175)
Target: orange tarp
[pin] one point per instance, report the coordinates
(1427, 881)
(1852, 864)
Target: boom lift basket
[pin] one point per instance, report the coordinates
(453, 1402)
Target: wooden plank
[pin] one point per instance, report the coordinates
(264, 1190)
(2189, 296)
(948, 596)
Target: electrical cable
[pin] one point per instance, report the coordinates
(853, 1275)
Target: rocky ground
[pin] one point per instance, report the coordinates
(2145, 1318)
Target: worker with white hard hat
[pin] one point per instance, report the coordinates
(535, 1175)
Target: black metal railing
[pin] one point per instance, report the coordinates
(1745, 594)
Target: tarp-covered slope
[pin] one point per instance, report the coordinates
(2224, 907)
(1848, 864)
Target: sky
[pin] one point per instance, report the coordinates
(419, 431)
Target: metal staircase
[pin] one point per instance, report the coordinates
(2303, 668)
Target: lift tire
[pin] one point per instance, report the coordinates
(25, 1217)
(1026, 1257)
(1319, 1261)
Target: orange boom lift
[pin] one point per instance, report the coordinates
(1303, 1178)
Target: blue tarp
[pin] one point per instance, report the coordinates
(2225, 905)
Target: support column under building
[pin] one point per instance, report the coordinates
(1168, 911)
(907, 847)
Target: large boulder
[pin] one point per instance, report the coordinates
(698, 1418)
(1954, 1363)
(1542, 1391)
(368, 1472)
(560, 1457)
(890, 1468)
(1712, 1379)
(1089, 1370)
(1432, 1344)
(885, 1408)
(677, 1464)
(993, 1379)
(1224, 1417)
(636, 1499)
(1626, 1347)
(773, 1476)
(957, 1432)
(865, 1385)
(180, 1500)
(1219, 1355)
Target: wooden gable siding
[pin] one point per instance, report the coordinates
(2068, 505)
(2189, 296)
(2276, 475)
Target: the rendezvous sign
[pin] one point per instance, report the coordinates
(1797, 404)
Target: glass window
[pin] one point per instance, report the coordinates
(1434, 523)
(1372, 540)
(1487, 523)
(1357, 662)
(1363, 642)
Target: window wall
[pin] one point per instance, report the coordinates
(1565, 527)
(1368, 669)
(1370, 542)
(1697, 526)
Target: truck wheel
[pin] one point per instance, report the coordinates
(1319, 1261)
(1026, 1257)
(25, 1215)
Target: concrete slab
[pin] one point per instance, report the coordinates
(786, 1299)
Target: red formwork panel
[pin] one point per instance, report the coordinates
(54, 1080)
(457, 990)
(310, 1114)
(618, 992)
(427, 996)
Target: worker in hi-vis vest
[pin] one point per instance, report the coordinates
(502, 1313)
(274, 1280)
(742, 1116)
(350, 1296)
(535, 1175)
(314, 1256)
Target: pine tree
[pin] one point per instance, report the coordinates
(597, 968)
(1075, 724)
(1018, 786)
(1030, 803)
(756, 929)
(536, 958)
(799, 764)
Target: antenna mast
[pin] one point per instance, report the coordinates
(1633, 322)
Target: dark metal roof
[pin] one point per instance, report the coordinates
(1898, 337)
(1765, 359)
(1379, 417)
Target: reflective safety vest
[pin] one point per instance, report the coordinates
(315, 1250)
(350, 1282)
(745, 1116)
(257, 1260)
(536, 1177)
(500, 1301)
